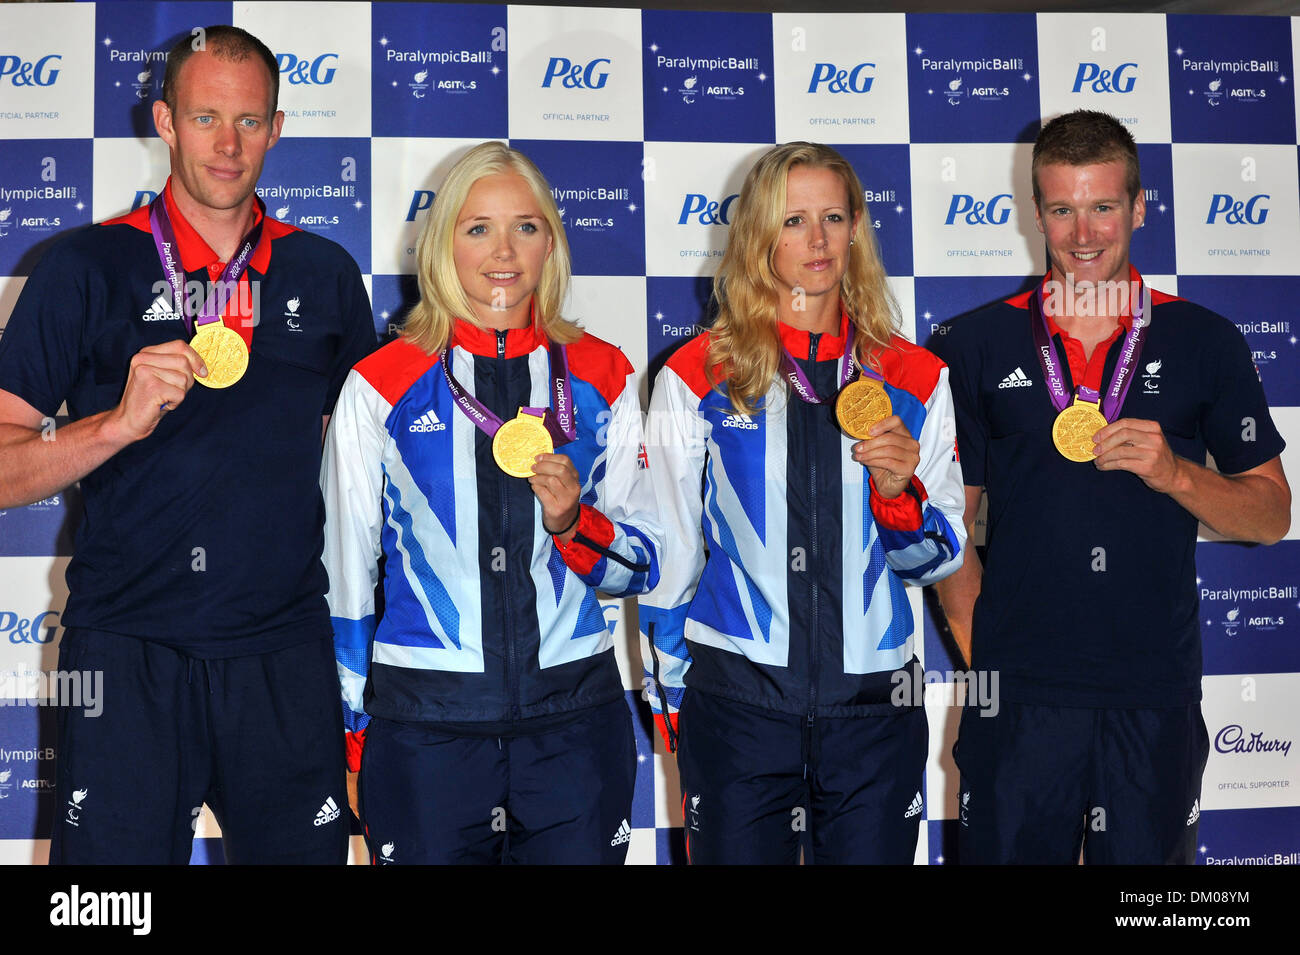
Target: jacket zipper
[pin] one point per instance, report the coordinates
(512, 676)
(659, 688)
(814, 630)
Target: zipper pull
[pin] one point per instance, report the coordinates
(813, 338)
(501, 342)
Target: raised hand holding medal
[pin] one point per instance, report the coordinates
(222, 349)
(864, 411)
(223, 352)
(1073, 430)
(518, 442)
(861, 404)
(524, 446)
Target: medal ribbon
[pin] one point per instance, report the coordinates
(1120, 378)
(558, 419)
(164, 240)
(792, 373)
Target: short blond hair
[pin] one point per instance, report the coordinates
(442, 297)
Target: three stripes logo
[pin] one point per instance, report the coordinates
(1017, 379)
(742, 421)
(1195, 814)
(160, 309)
(623, 835)
(327, 813)
(427, 422)
(914, 807)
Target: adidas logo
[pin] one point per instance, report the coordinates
(327, 813)
(914, 807)
(428, 422)
(623, 835)
(1017, 379)
(1195, 814)
(739, 421)
(160, 310)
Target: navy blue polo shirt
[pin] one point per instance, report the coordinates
(1089, 593)
(206, 535)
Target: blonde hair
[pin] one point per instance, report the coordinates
(442, 297)
(744, 344)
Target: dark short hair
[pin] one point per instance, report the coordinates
(226, 43)
(1085, 137)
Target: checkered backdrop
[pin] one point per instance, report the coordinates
(645, 123)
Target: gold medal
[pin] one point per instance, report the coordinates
(223, 351)
(860, 405)
(1073, 430)
(518, 442)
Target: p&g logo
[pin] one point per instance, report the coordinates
(1249, 212)
(21, 630)
(1118, 80)
(303, 71)
(974, 212)
(21, 73)
(856, 80)
(421, 199)
(705, 211)
(576, 76)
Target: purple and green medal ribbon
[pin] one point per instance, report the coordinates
(792, 373)
(1120, 379)
(558, 419)
(164, 239)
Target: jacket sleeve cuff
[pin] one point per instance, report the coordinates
(594, 533)
(902, 513)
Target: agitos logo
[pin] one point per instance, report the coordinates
(307, 72)
(22, 73)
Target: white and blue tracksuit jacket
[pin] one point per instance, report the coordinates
(485, 617)
(782, 581)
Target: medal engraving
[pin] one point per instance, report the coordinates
(1073, 430)
(223, 351)
(518, 442)
(860, 405)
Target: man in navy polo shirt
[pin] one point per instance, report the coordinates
(197, 587)
(1085, 409)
